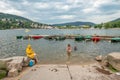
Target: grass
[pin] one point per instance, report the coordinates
(112, 68)
(2, 74)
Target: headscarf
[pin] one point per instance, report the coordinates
(30, 53)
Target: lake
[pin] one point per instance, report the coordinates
(51, 51)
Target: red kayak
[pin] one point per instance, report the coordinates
(96, 39)
(37, 37)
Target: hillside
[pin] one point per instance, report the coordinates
(111, 24)
(10, 16)
(9, 21)
(118, 19)
(78, 23)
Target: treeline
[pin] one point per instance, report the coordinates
(112, 24)
(9, 21)
(11, 24)
(16, 23)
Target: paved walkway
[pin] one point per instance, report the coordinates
(64, 72)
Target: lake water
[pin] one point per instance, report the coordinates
(55, 51)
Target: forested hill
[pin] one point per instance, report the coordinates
(10, 16)
(111, 24)
(9, 21)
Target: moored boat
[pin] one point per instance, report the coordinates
(79, 38)
(36, 37)
(117, 39)
(96, 39)
(19, 37)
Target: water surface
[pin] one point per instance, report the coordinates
(55, 51)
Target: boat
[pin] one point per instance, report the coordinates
(19, 37)
(60, 38)
(36, 36)
(48, 37)
(79, 38)
(96, 39)
(26, 37)
(116, 39)
(88, 37)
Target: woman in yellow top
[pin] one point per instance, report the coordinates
(30, 53)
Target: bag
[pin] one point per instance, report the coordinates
(31, 63)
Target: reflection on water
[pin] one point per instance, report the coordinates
(55, 51)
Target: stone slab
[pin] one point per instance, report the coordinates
(89, 72)
(47, 72)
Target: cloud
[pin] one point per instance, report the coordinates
(94, 6)
(5, 7)
(66, 17)
(103, 18)
(41, 5)
(54, 11)
(61, 6)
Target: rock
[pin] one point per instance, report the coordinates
(26, 61)
(3, 74)
(114, 60)
(6, 59)
(13, 72)
(13, 65)
(99, 58)
(104, 62)
(3, 65)
(16, 63)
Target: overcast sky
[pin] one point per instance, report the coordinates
(60, 11)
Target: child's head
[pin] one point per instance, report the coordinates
(68, 45)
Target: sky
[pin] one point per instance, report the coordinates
(61, 11)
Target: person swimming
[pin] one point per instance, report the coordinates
(75, 48)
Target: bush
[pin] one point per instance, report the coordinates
(3, 74)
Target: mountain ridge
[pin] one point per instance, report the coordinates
(76, 23)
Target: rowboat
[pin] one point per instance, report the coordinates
(117, 39)
(79, 38)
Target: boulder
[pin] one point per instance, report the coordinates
(98, 58)
(16, 63)
(13, 65)
(13, 72)
(6, 60)
(114, 60)
(104, 62)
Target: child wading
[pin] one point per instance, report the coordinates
(69, 50)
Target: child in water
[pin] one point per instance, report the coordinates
(69, 50)
(75, 48)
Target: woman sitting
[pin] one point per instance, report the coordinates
(31, 54)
